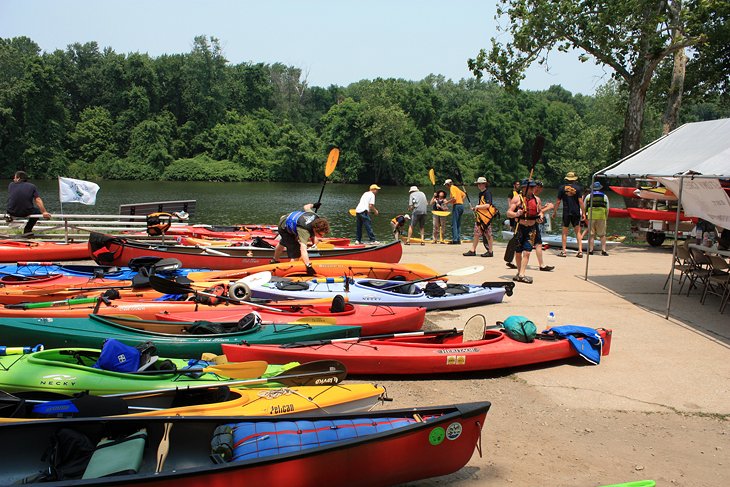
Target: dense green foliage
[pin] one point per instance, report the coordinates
(92, 113)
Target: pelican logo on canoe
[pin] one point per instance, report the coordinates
(58, 380)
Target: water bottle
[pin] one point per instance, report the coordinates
(551, 318)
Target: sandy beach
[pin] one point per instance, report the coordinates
(656, 408)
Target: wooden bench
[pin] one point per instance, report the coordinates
(188, 206)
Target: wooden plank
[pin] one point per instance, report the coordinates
(187, 206)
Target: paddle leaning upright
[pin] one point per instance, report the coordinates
(526, 209)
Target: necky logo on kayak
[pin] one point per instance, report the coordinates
(58, 380)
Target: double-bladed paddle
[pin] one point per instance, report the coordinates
(329, 168)
(464, 271)
(232, 370)
(537, 148)
(309, 343)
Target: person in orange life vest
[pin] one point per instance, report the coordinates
(571, 193)
(296, 230)
(439, 203)
(484, 201)
(397, 224)
(457, 209)
(545, 208)
(527, 211)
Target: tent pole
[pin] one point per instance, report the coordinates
(674, 247)
(588, 230)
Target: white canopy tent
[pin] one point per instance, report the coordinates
(694, 151)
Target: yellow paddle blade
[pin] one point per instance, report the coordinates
(353, 212)
(332, 159)
(432, 176)
(325, 245)
(239, 370)
(441, 213)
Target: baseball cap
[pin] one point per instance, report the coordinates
(407, 217)
(413, 188)
(374, 186)
(571, 176)
(448, 181)
(481, 180)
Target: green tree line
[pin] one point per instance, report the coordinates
(93, 113)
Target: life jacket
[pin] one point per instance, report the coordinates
(529, 204)
(300, 219)
(598, 199)
(485, 215)
(158, 223)
(398, 221)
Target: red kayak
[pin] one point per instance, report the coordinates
(618, 213)
(110, 250)
(625, 191)
(368, 449)
(667, 216)
(374, 320)
(420, 353)
(24, 250)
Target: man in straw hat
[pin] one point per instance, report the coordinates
(364, 208)
(571, 194)
(418, 204)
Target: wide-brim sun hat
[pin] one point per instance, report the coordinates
(571, 176)
(374, 186)
(413, 188)
(597, 185)
(481, 180)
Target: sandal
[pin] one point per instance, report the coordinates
(423, 243)
(579, 255)
(604, 253)
(511, 265)
(562, 254)
(525, 279)
(547, 268)
(469, 253)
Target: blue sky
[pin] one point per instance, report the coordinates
(332, 41)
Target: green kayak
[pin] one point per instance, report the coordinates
(172, 339)
(68, 371)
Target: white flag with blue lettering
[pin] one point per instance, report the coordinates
(77, 191)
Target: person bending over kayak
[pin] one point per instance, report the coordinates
(297, 229)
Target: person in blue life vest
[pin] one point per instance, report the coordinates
(297, 230)
(597, 206)
(24, 200)
(364, 208)
(527, 210)
(571, 194)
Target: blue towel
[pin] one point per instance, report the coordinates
(589, 347)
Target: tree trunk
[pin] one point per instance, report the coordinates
(634, 119)
(674, 100)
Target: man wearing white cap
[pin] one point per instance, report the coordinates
(418, 204)
(362, 213)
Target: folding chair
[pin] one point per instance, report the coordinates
(683, 264)
(718, 281)
(700, 271)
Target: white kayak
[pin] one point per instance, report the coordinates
(386, 293)
(571, 242)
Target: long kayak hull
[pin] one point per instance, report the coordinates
(106, 250)
(372, 291)
(65, 372)
(425, 354)
(172, 339)
(667, 216)
(361, 449)
(21, 250)
(557, 241)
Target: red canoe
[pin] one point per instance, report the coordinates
(374, 320)
(24, 250)
(625, 191)
(667, 216)
(367, 449)
(430, 353)
(110, 250)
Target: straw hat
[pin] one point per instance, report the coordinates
(413, 188)
(571, 176)
(481, 180)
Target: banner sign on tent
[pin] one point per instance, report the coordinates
(77, 191)
(703, 198)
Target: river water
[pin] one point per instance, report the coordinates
(237, 203)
